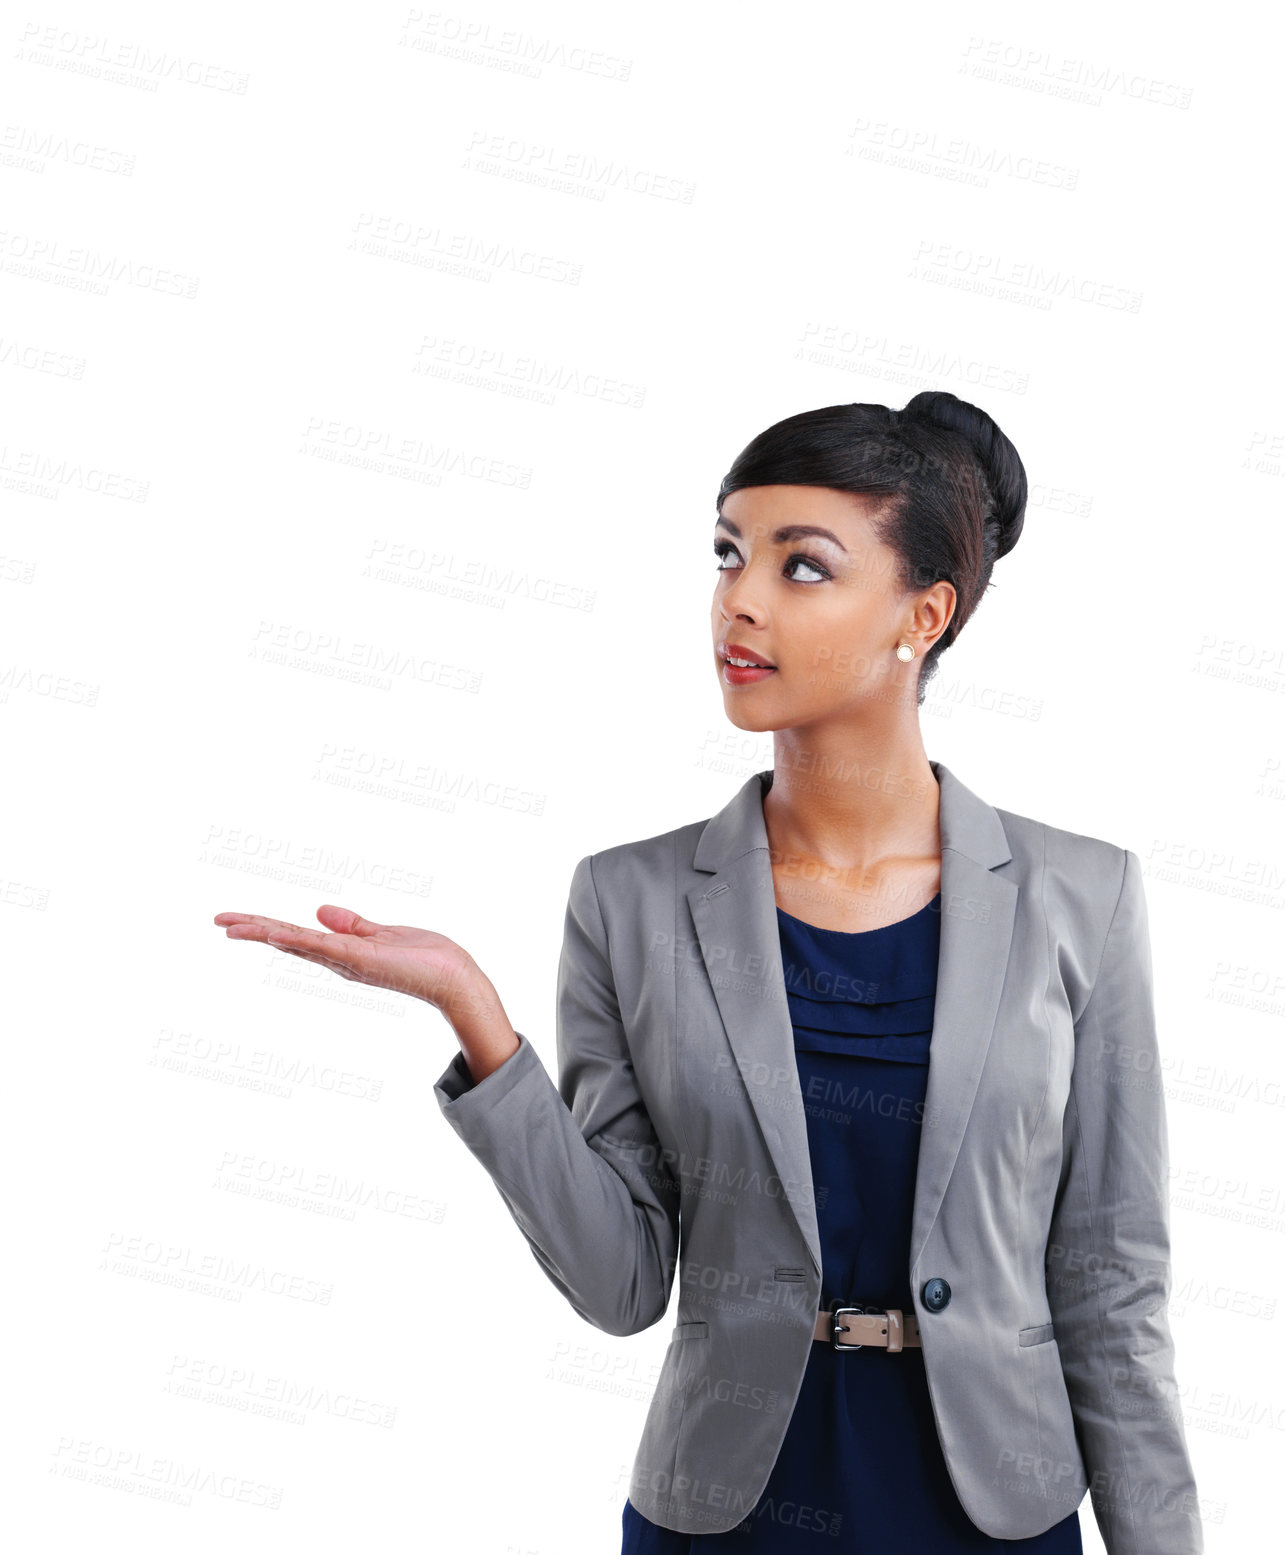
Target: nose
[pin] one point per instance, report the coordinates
(736, 602)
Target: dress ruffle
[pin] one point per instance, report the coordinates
(887, 1011)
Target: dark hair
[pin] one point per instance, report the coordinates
(952, 486)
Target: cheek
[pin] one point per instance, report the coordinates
(834, 659)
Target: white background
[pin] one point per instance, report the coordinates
(380, 575)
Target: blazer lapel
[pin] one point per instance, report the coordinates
(734, 914)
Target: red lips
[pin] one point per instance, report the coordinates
(729, 650)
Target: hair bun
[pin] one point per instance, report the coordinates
(999, 460)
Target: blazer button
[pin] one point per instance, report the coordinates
(936, 1294)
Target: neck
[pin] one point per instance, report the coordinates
(851, 806)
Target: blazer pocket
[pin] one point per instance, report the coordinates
(691, 1330)
(1041, 1333)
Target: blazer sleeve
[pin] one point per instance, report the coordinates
(1107, 1258)
(579, 1165)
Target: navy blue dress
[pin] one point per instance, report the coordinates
(861, 1470)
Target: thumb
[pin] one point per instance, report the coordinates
(344, 921)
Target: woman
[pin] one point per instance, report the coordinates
(853, 1062)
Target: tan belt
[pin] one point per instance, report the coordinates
(889, 1329)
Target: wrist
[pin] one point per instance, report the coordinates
(482, 1028)
(472, 1001)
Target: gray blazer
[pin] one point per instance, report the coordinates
(1040, 1197)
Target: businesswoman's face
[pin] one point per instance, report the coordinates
(805, 587)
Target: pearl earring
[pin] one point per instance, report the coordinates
(905, 652)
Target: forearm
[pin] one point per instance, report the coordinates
(579, 1164)
(483, 1029)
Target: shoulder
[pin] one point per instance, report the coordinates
(1062, 850)
(658, 861)
(1077, 878)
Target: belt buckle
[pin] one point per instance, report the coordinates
(836, 1311)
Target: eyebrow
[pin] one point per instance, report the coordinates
(789, 532)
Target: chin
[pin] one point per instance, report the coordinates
(740, 719)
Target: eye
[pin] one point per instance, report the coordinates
(723, 548)
(807, 561)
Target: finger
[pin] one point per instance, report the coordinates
(337, 947)
(331, 966)
(317, 953)
(344, 921)
(252, 925)
(326, 949)
(269, 931)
